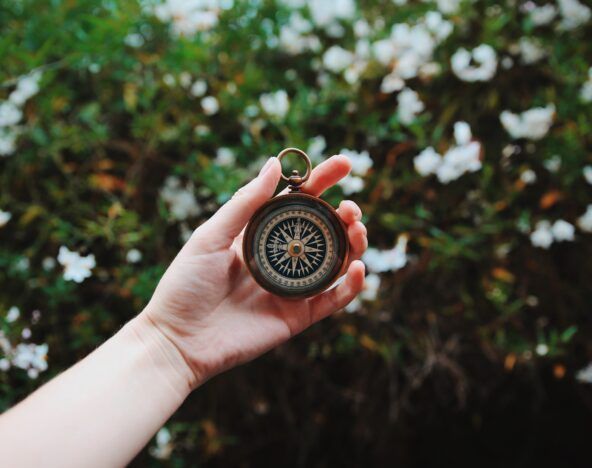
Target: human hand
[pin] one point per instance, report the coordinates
(208, 308)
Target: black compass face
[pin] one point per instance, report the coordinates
(296, 247)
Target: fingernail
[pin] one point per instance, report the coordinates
(266, 166)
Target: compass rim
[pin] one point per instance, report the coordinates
(341, 251)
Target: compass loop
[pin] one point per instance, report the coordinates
(296, 179)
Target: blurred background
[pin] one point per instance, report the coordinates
(126, 124)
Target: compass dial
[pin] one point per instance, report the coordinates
(296, 246)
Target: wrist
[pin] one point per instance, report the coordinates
(163, 355)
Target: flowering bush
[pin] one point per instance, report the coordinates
(123, 125)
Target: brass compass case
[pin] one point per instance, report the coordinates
(296, 245)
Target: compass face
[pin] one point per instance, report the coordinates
(296, 245)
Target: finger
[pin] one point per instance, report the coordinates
(357, 240)
(325, 175)
(349, 212)
(231, 218)
(338, 297)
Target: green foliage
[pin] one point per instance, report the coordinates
(112, 121)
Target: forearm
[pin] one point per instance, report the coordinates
(103, 410)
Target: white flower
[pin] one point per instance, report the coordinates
(316, 147)
(10, 114)
(164, 446)
(5, 345)
(391, 83)
(198, 88)
(188, 16)
(483, 56)
(23, 264)
(362, 28)
(275, 104)
(361, 162)
(324, 13)
(530, 51)
(351, 184)
(337, 59)
(181, 200)
(380, 261)
(185, 79)
(30, 356)
(533, 124)
(210, 105)
(448, 6)
(295, 36)
(7, 141)
(371, 286)
(26, 333)
(586, 91)
(542, 349)
(437, 25)
(429, 70)
(553, 164)
(409, 106)
(76, 267)
(4, 364)
(134, 40)
(202, 130)
(133, 256)
(542, 236)
(225, 157)
(427, 162)
(384, 51)
(545, 233)
(574, 14)
(410, 48)
(48, 263)
(169, 80)
(462, 133)
(587, 171)
(458, 160)
(563, 231)
(4, 217)
(542, 15)
(585, 221)
(26, 88)
(507, 63)
(13, 314)
(585, 375)
(528, 177)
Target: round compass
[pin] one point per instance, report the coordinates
(295, 245)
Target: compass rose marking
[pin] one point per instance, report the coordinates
(296, 248)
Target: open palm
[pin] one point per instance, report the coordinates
(208, 305)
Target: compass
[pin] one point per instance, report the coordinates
(295, 245)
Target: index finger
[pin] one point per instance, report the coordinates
(325, 175)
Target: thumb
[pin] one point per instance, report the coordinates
(231, 218)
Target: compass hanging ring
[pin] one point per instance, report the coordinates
(296, 245)
(295, 180)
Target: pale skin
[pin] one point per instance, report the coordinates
(206, 315)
